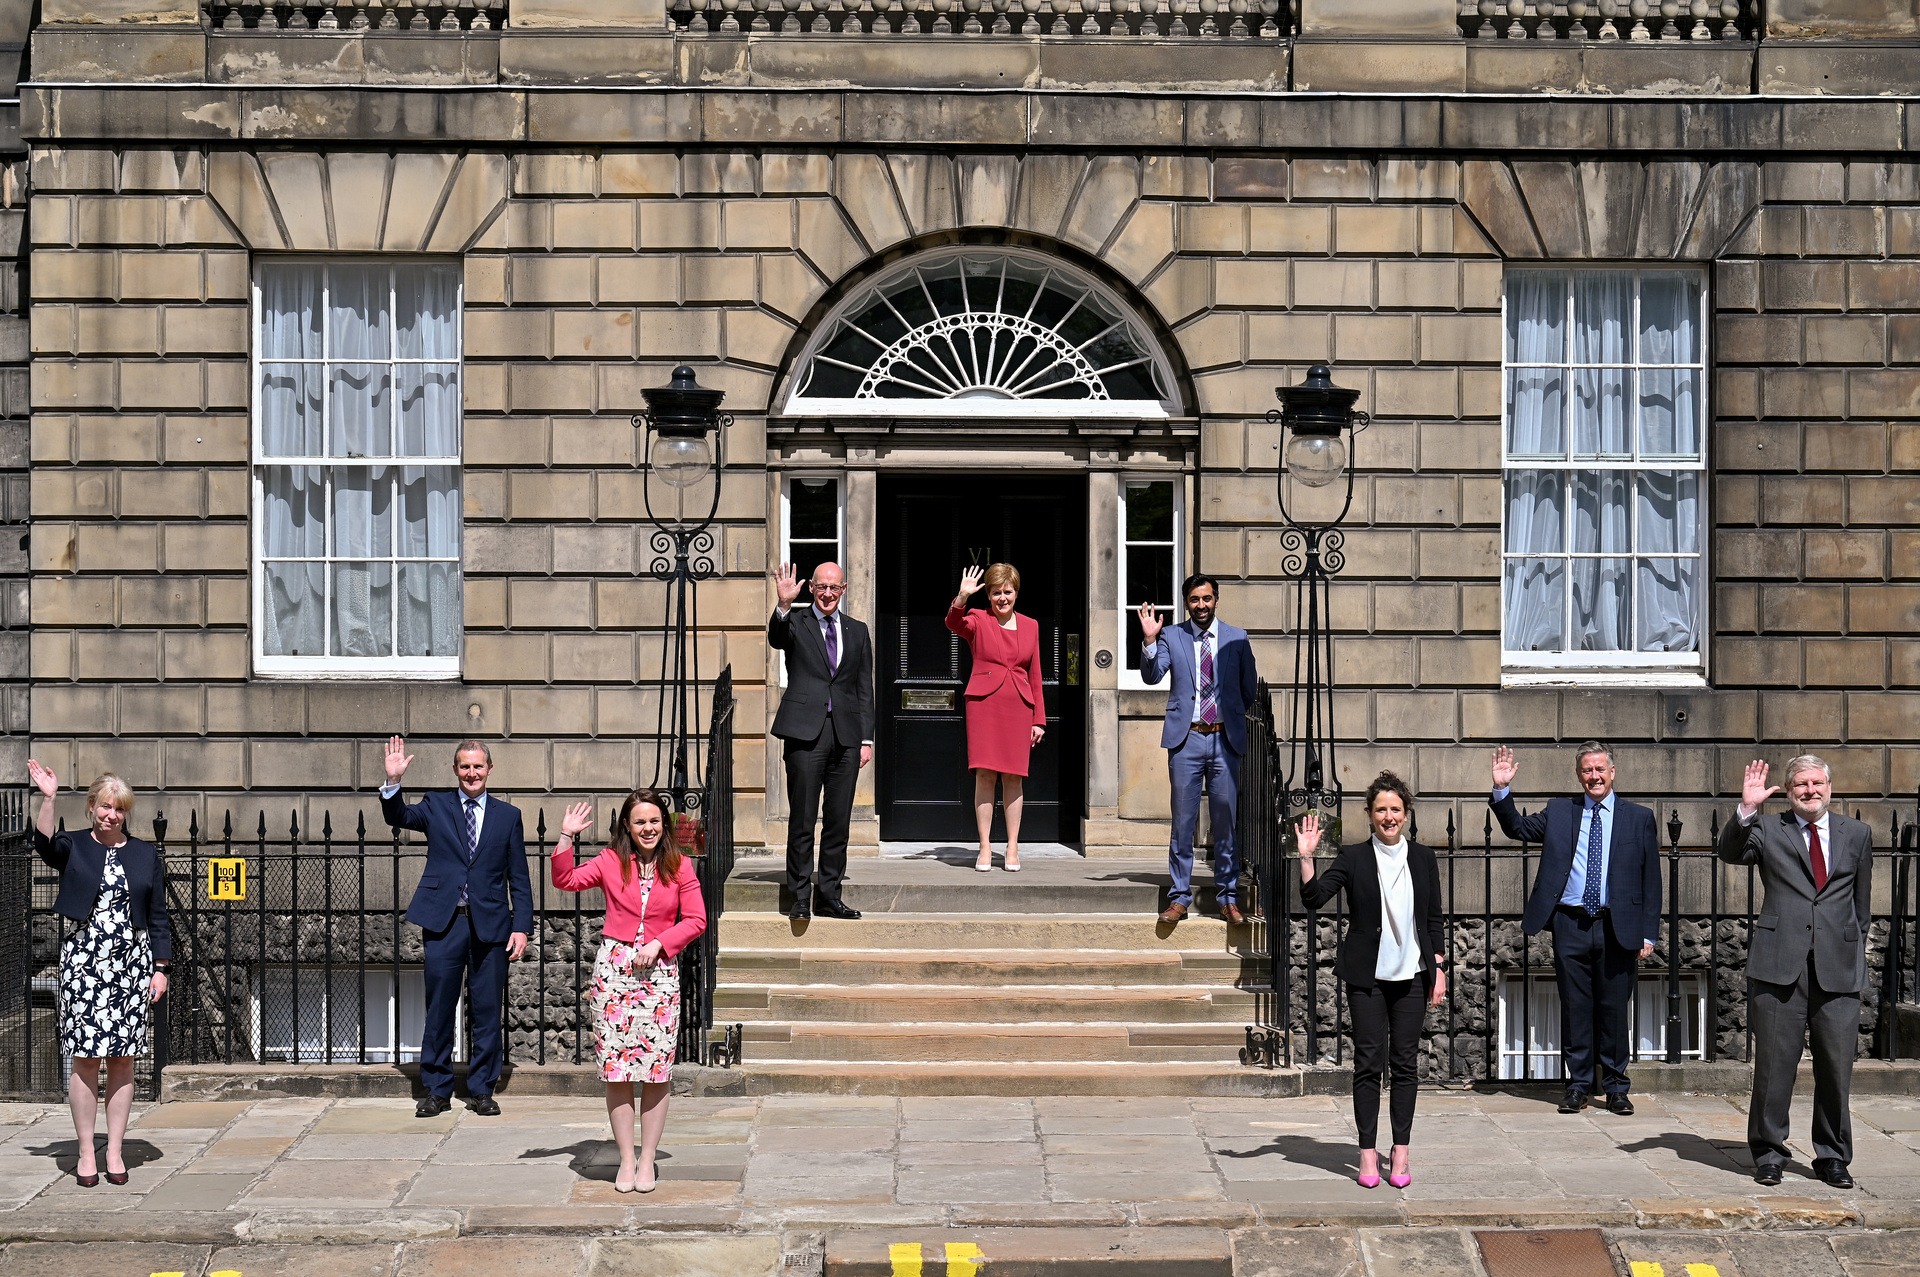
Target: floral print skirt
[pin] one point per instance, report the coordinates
(636, 1014)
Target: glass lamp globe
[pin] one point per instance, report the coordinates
(682, 460)
(1316, 460)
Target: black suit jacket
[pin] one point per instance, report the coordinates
(810, 683)
(500, 863)
(1633, 864)
(1355, 872)
(81, 862)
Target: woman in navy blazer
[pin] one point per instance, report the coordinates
(113, 962)
(1392, 958)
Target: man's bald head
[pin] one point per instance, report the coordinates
(827, 584)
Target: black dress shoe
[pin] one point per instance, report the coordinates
(1574, 1100)
(432, 1106)
(1618, 1104)
(800, 913)
(835, 909)
(1833, 1174)
(1767, 1176)
(484, 1106)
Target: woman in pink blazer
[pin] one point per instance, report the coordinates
(654, 910)
(1006, 707)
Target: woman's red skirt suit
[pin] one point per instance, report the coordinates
(1004, 700)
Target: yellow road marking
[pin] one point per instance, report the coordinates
(225, 1272)
(964, 1259)
(1642, 1268)
(906, 1259)
(1693, 1270)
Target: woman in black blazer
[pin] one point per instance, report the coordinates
(1392, 958)
(113, 963)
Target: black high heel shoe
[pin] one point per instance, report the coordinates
(87, 1181)
(117, 1178)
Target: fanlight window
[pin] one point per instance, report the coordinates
(983, 333)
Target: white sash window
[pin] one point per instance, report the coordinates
(356, 467)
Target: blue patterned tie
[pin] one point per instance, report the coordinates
(473, 829)
(1591, 897)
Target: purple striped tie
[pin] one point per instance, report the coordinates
(1209, 705)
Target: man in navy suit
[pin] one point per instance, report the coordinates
(475, 908)
(1599, 887)
(1214, 681)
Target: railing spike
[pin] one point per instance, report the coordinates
(326, 824)
(263, 822)
(227, 825)
(193, 824)
(360, 826)
(293, 824)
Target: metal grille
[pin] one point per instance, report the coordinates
(1556, 1252)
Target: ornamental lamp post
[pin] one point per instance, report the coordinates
(1320, 422)
(683, 440)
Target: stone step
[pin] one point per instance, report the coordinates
(1028, 1252)
(1014, 967)
(893, 1004)
(944, 881)
(1002, 1078)
(982, 931)
(1006, 1043)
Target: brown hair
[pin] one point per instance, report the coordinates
(999, 574)
(1388, 783)
(666, 854)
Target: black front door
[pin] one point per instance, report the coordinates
(929, 531)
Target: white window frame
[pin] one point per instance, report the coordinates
(399, 1023)
(333, 666)
(1647, 1019)
(1612, 669)
(787, 480)
(1130, 679)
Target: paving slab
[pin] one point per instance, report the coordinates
(382, 1117)
(459, 1186)
(1292, 1252)
(684, 1257)
(337, 1226)
(332, 1183)
(101, 1259)
(304, 1261)
(207, 1115)
(1419, 1252)
(197, 1192)
(1038, 1252)
(494, 1256)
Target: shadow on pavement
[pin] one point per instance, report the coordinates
(66, 1153)
(580, 1158)
(1335, 1159)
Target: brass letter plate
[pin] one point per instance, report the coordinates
(926, 698)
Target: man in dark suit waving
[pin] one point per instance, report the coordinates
(1806, 961)
(475, 908)
(1598, 886)
(826, 722)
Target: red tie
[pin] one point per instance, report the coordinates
(1819, 858)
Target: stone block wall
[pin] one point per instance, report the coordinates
(591, 271)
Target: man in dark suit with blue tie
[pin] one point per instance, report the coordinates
(475, 908)
(1598, 886)
(1205, 734)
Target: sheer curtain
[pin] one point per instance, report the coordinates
(380, 382)
(1536, 430)
(1669, 514)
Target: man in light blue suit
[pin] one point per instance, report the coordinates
(1214, 682)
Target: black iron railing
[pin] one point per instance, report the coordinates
(291, 948)
(1500, 1019)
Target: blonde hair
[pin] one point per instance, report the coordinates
(113, 789)
(999, 574)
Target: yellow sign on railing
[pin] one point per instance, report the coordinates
(226, 879)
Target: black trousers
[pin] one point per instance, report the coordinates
(1596, 984)
(817, 769)
(1386, 1032)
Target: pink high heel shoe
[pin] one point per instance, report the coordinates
(1364, 1180)
(1401, 1180)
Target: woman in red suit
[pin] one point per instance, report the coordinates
(1006, 710)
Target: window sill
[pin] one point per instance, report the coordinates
(1606, 679)
(335, 674)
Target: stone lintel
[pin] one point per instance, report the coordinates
(1339, 64)
(1842, 18)
(501, 116)
(1864, 68)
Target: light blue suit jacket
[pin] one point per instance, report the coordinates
(1237, 682)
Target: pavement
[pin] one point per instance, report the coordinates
(854, 1185)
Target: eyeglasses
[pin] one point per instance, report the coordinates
(829, 589)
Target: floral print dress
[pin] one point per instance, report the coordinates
(106, 969)
(636, 1014)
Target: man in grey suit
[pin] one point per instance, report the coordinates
(1806, 960)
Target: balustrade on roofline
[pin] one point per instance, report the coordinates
(1610, 19)
(357, 15)
(1227, 19)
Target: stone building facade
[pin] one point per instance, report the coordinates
(1406, 189)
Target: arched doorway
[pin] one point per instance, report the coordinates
(981, 374)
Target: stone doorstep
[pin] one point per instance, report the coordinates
(189, 1082)
(1033, 1252)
